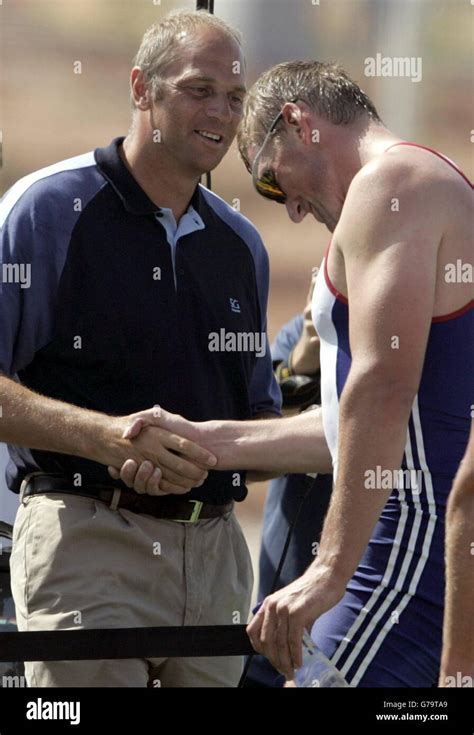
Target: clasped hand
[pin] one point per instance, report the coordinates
(171, 459)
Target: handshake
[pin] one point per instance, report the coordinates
(159, 453)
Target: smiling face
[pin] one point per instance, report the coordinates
(202, 102)
(299, 168)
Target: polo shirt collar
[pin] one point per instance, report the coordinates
(126, 187)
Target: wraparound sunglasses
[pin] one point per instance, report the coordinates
(266, 184)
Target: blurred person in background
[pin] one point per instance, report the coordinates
(129, 265)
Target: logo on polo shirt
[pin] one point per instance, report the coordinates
(234, 305)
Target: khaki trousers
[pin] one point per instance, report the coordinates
(76, 563)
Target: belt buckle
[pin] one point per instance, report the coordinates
(114, 501)
(194, 515)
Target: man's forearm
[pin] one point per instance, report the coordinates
(31, 420)
(295, 444)
(372, 432)
(38, 422)
(261, 475)
(458, 636)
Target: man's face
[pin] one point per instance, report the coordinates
(301, 169)
(202, 102)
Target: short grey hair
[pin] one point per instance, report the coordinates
(161, 44)
(326, 88)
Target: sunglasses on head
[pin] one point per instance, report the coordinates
(266, 184)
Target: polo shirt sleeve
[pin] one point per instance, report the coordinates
(265, 395)
(29, 275)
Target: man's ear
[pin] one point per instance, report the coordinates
(140, 89)
(297, 121)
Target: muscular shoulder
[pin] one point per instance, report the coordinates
(398, 193)
(397, 173)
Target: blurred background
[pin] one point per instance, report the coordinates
(48, 112)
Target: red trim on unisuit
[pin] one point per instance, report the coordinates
(469, 305)
(435, 319)
(444, 317)
(440, 155)
(454, 314)
(332, 288)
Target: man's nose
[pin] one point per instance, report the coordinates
(219, 108)
(296, 210)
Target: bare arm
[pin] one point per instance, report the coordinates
(38, 422)
(458, 630)
(260, 475)
(390, 266)
(295, 444)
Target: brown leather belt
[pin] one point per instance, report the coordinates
(169, 507)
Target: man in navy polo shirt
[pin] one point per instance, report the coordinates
(126, 284)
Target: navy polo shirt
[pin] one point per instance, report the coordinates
(107, 303)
